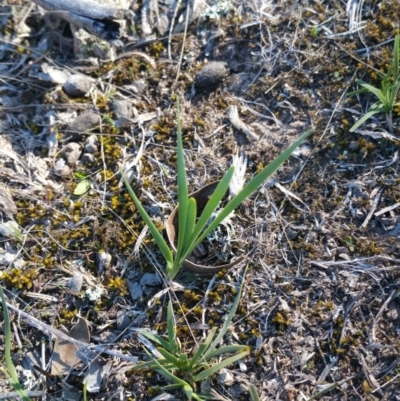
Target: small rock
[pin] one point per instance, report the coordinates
(123, 320)
(291, 234)
(135, 290)
(225, 378)
(72, 152)
(75, 284)
(123, 109)
(91, 144)
(61, 168)
(139, 86)
(211, 74)
(85, 122)
(344, 256)
(149, 279)
(77, 85)
(354, 145)
(87, 158)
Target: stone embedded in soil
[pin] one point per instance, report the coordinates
(150, 279)
(123, 320)
(211, 74)
(85, 122)
(61, 168)
(72, 152)
(135, 290)
(123, 108)
(91, 144)
(77, 85)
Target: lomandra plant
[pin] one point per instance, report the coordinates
(387, 95)
(192, 230)
(183, 370)
(10, 371)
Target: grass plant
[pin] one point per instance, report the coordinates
(182, 370)
(10, 372)
(387, 95)
(192, 231)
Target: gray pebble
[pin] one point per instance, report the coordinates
(87, 158)
(122, 108)
(211, 74)
(72, 152)
(82, 124)
(61, 168)
(91, 144)
(123, 320)
(135, 290)
(75, 284)
(149, 279)
(77, 85)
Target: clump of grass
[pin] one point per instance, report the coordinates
(182, 370)
(192, 231)
(10, 371)
(387, 95)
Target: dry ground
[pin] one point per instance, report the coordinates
(320, 305)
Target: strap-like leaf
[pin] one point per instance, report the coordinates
(182, 187)
(252, 186)
(209, 209)
(253, 393)
(228, 320)
(202, 348)
(173, 343)
(365, 118)
(190, 221)
(215, 368)
(12, 373)
(377, 92)
(162, 245)
(226, 349)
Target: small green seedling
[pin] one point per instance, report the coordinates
(387, 95)
(184, 371)
(10, 372)
(192, 231)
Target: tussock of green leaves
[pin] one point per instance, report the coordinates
(387, 95)
(191, 233)
(174, 364)
(10, 372)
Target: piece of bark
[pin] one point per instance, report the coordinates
(95, 18)
(85, 8)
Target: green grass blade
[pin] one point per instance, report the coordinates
(190, 221)
(12, 373)
(210, 207)
(253, 185)
(396, 58)
(169, 375)
(226, 349)
(157, 339)
(150, 364)
(358, 91)
(253, 393)
(215, 368)
(169, 357)
(377, 92)
(162, 245)
(182, 187)
(171, 329)
(228, 320)
(202, 348)
(365, 118)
